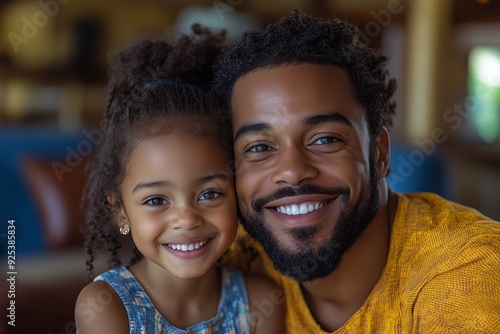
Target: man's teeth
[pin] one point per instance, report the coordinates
(299, 209)
(188, 247)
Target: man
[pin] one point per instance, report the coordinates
(310, 109)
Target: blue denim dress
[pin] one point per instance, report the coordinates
(232, 314)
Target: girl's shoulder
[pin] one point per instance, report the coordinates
(263, 286)
(99, 309)
(267, 304)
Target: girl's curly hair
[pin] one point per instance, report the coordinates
(299, 39)
(152, 85)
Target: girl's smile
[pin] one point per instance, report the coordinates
(180, 202)
(189, 250)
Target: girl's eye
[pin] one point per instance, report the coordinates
(258, 148)
(326, 140)
(209, 195)
(156, 201)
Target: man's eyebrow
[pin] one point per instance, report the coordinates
(146, 185)
(249, 128)
(328, 117)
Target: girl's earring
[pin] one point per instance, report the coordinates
(124, 228)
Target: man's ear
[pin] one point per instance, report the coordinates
(382, 147)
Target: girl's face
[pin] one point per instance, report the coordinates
(179, 199)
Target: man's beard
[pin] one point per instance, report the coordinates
(310, 261)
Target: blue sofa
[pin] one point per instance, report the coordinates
(16, 199)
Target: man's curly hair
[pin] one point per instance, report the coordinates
(299, 39)
(154, 87)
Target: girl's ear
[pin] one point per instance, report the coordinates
(383, 153)
(112, 199)
(118, 211)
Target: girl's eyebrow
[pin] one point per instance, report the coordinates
(153, 184)
(156, 184)
(215, 176)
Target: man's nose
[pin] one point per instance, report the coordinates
(293, 167)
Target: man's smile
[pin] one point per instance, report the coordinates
(300, 210)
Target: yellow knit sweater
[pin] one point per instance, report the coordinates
(442, 274)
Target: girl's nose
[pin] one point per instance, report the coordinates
(186, 218)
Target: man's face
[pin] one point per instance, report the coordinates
(306, 172)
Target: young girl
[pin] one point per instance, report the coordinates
(161, 175)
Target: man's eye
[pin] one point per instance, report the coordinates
(326, 140)
(156, 201)
(209, 195)
(258, 148)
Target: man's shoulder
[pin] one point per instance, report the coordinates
(428, 211)
(449, 259)
(439, 235)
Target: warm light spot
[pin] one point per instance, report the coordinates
(484, 86)
(488, 69)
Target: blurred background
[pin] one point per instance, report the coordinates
(53, 71)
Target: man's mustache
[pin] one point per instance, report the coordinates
(307, 189)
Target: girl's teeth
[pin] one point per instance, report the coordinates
(188, 247)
